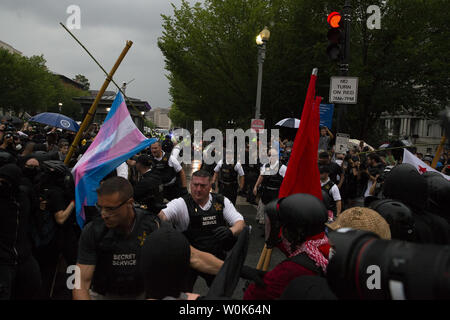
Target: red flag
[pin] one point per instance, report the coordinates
(302, 175)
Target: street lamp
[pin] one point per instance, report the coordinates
(261, 41)
(60, 105)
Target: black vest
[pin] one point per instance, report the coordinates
(271, 185)
(117, 270)
(327, 188)
(202, 224)
(227, 174)
(166, 172)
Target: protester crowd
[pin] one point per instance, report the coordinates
(192, 232)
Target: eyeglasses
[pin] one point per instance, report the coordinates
(109, 209)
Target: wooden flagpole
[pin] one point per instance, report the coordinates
(91, 111)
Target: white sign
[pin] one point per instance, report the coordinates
(343, 90)
(341, 143)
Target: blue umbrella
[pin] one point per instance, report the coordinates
(56, 120)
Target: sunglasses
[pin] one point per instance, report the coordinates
(109, 209)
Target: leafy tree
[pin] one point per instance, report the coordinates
(26, 85)
(83, 80)
(210, 53)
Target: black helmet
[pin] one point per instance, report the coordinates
(398, 216)
(406, 184)
(438, 201)
(302, 215)
(6, 158)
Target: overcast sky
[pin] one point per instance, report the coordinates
(32, 27)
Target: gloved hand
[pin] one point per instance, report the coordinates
(253, 274)
(183, 191)
(223, 233)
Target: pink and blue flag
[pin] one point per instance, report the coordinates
(117, 141)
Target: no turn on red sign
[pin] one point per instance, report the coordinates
(344, 90)
(257, 124)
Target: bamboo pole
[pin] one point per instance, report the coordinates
(438, 152)
(91, 111)
(267, 261)
(104, 71)
(262, 258)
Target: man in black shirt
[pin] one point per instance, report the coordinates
(19, 271)
(110, 247)
(149, 190)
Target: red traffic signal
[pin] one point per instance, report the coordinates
(335, 36)
(333, 19)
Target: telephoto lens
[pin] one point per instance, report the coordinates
(368, 268)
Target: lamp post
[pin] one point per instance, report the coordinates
(261, 41)
(60, 105)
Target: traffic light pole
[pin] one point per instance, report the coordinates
(344, 63)
(261, 58)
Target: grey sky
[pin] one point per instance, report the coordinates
(32, 27)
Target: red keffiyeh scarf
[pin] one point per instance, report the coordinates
(316, 247)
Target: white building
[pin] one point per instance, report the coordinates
(160, 117)
(426, 133)
(8, 47)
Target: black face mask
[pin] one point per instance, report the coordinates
(30, 173)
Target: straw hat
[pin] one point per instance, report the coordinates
(362, 219)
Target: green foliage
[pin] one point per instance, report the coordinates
(83, 80)
(26, 85)
(211, 55)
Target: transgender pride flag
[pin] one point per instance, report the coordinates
(118, 140)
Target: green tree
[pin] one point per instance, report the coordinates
(83, 80)
(210, 53)
(26, 85)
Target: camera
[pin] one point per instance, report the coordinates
(9, 134)
(365, 267)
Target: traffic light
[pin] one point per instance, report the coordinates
(335, 49)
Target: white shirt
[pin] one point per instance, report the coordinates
(281, 170)
(177, 212)
(369, 185)
(176, 151)
(334, 191)
(238, 168)
(173, 162)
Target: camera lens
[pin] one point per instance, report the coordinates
(365, 267)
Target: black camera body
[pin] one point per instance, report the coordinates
(365, 267)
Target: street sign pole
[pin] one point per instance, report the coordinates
(344, 65)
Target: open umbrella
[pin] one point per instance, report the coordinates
(355, 142)
(56, 120)
(289, 123)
